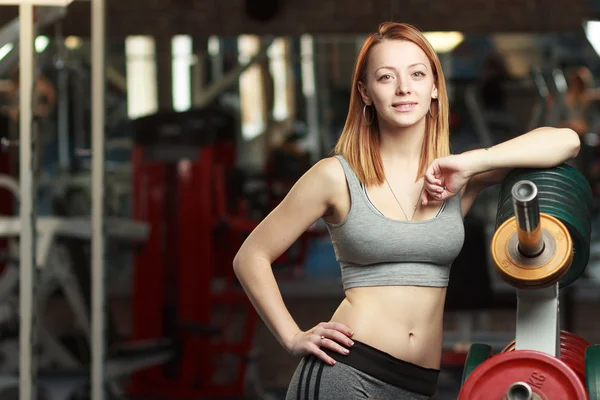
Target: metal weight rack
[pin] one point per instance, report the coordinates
(27, 139)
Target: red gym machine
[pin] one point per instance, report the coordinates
(183, 282)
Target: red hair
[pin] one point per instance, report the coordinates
(359, 141)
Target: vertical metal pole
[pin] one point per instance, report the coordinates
(98, 208)
(27, 248)
(313, 138)
(63, 112)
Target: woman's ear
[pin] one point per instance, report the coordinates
(363, 93)
(434, 93)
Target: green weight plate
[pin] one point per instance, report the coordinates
(573, 202)
(576, 191)
(553, 179)
(477, 354)
(592, 371)
(552, 208)
(577, 178)
(572, 173)
(553, 203)
(557, 209)
(558, 177)
(564, 170)
(553, 182)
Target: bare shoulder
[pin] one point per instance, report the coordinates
(331, 173)
(330, 170)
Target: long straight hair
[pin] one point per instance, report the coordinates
(359, 141)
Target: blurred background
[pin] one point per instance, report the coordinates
(214, 109)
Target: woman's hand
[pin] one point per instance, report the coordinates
(330, 335)
(445, 178)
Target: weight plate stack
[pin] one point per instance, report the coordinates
(592, 371)
(572, 352)
(477, 354)
(564, 193)
(523, 374)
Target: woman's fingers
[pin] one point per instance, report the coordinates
(338, 327)
(333, 336)
(424, 198)
(333, 345)
(320, 354)
(434, 192)
(431, 178)
(337, 336)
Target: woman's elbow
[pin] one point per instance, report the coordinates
(242, 259)
(238, 261)
(573, 142)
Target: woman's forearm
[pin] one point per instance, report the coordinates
(257, 279)
(540, 148)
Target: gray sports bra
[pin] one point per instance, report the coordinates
(374, 250)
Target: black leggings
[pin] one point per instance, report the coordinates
(365, 373)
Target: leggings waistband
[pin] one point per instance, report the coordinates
(386, 368)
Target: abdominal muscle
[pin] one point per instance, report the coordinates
(403, 321)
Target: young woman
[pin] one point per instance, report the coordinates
(393, 199)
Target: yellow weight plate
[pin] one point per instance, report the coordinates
(528, 272)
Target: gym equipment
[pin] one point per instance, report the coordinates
(572, 352)
(520, 375)
(183, 287)
(61, 371)
(478, 353)
(552, 263)
(10, 34)
(592, 371)
(563, 193)
(551, 87)
(542, 219)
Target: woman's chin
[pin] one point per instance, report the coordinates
(405, 121)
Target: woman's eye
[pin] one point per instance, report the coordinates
(385, 77)
(419, 74)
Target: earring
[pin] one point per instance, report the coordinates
(431, 114)
(365, 115)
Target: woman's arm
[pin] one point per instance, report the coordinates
(308, 200)
(470, 172)
(540, 148)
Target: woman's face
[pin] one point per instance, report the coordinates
(399, 83)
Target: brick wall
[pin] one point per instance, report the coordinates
(228, 17)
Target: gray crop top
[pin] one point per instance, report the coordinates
(374, 250)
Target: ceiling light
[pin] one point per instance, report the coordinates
(444, 42)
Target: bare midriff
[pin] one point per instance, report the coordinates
(403, 321)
